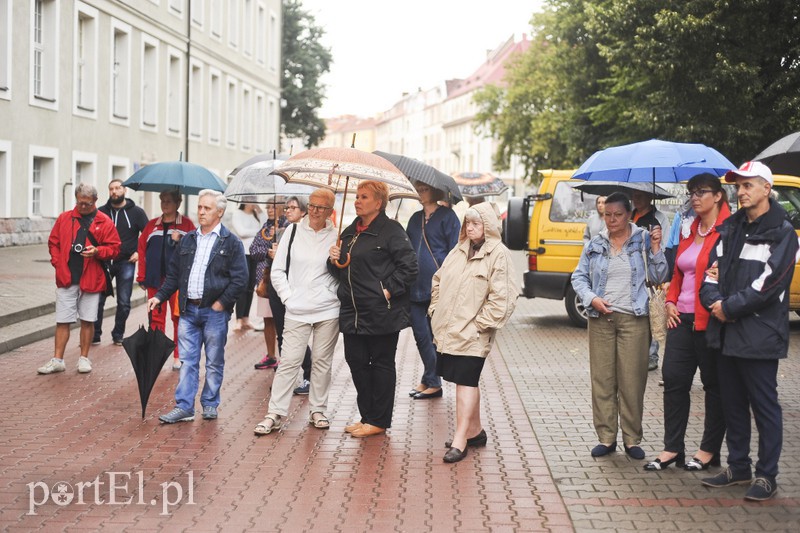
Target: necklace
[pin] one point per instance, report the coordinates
(700, 232)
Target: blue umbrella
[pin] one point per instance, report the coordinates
(653, 161)
(170, 175)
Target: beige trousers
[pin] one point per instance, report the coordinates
(618, 356)
(295, 339)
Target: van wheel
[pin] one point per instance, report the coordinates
(515, 234)
(575, 310)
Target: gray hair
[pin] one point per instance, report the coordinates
(472, 215)
(222, 202)
(301, 203)
(85, 189)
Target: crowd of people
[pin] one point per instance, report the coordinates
(452, 281)
(727, 312)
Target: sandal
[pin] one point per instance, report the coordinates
(320, 422)
(268, 425)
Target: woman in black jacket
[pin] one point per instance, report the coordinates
(373, 289)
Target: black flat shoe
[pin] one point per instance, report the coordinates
(658, 464)
(423, 396)
(454, 455)
(601, 449)
(696, 464)
(413, 392)
(478, 441)
(635, 452)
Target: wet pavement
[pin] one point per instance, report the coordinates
(76, 455)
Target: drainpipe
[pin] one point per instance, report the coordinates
(187, 103)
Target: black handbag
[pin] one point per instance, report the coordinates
(106, 267)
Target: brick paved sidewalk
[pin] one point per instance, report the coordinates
(76, 428)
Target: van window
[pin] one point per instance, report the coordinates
(568, 206)
(789, 198)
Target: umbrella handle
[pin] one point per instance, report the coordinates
(346, 263)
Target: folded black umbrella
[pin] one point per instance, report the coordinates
(418, 171)
(783, 156)
(148, 350)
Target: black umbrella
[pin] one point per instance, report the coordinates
(783, 156)
(148, 350)
(418, 171)
(604, 188)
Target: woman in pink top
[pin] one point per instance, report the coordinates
(686, 348)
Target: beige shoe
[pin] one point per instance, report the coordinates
(368, 430)
(53, 365)
(352, 427)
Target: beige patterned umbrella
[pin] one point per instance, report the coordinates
(341, 170)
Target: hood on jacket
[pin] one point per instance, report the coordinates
(129, 204)
(636, 232)
(491, 225)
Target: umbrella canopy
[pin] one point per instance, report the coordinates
(170, 175)
(148, 350)
(783, 156)
(479, 184)
(341, 169)
(418, 171)
(653, 161)
(255, 183)
(604, 188)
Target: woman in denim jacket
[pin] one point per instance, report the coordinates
(610, 281)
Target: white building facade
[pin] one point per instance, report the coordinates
(91, 90)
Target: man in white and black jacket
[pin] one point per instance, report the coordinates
(747, 292)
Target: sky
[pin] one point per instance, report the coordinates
(382, 48)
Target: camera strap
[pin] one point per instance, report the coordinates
(83, 231)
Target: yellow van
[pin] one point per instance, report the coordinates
(549, 226)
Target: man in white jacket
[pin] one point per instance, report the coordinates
(301, 279)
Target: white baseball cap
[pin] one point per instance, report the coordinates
(751, 169)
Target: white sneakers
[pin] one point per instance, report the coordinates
(57, 365)
(84, 365)
(53, 365)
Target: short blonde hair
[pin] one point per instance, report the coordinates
(325, 195)
(378, 190)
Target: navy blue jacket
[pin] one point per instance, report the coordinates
(441, 232)
(226, 274)
(753, 285)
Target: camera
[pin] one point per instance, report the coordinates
(77, 247)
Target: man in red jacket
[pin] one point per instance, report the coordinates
(80, 240)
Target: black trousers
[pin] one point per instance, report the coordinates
(752, 384)
(371, 361)
(685, 352)
(246, 298)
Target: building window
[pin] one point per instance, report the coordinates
(85, 68)
(5, 49)
(247, 22)
(174, 92)
(247, 118)
(42, 182)
(198, 8)
(176, 7)
(118, 168)
(84, 165)
(120, 71)
(275, 43)
(44, 53)
(233, 23)
(214, 107)
(196, 101)
(230, 114)
(216, 18)
(260, 123)
(261, 34)
(149, 82)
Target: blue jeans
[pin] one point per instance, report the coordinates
(201, 327)
(421, 326)
(123, 272)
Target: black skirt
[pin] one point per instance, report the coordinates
(460, 369)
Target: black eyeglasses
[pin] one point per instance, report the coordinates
(318, 207)
(699, 193)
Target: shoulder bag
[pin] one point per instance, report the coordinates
(657, 311)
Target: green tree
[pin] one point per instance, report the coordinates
(305, 61)
(607, 72)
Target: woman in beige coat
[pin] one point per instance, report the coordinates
(475, 291)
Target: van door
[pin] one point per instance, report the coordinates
(789, 198)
